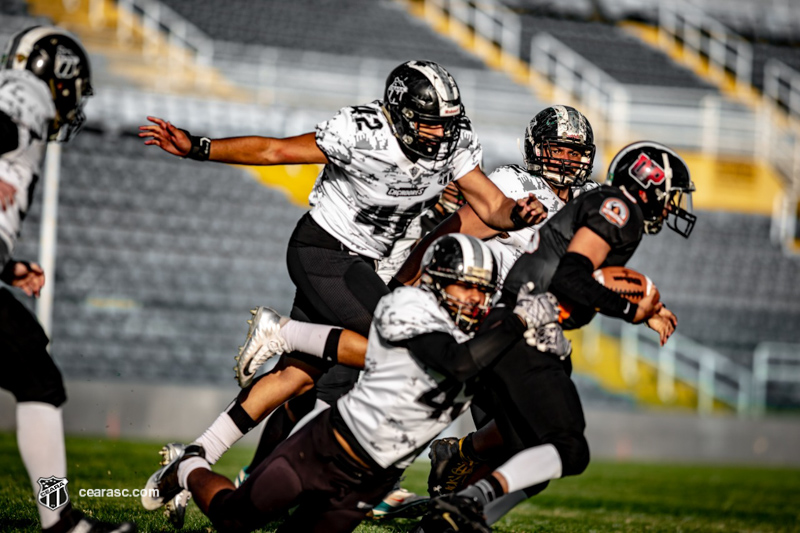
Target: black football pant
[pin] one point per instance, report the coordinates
(311, 470)
(26, 368)
(534, 401)
(336, 287)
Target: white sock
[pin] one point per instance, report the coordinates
(531, 467)
(305, 337)
(219, 437)
(40, 438)
(188, 466)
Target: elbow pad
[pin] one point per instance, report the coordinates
(573, 282)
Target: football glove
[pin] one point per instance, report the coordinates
(536, 309)
(549, 338)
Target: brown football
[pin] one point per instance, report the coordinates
(626, 282)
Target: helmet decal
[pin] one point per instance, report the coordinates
(647, 172)
(395, 91)
(67, 63)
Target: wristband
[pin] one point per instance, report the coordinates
(201, 147)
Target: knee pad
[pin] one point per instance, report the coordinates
(39, 381)
(574, 453)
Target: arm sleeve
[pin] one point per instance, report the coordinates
(573, 281)
(444, 354)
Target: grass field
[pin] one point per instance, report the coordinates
(607, 497)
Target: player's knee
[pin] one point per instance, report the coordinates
(46, 386)
(221, 515)
(574, 452)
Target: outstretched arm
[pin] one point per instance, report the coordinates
(252, 150)
(465, 220)
(494, 208)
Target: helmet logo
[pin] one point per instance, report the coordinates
(396, 90)
(615, 211)
(66, 64)
(646, 171)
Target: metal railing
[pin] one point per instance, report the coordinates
(703, 37)
(716, 378)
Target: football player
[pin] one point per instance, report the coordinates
(45, 80)
(537, 410)
(558, 135)
(417, 378)
(384, 163)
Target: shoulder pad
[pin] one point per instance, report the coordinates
(409, 312)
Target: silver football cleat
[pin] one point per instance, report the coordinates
(263, 342)
(175, 509)
(162, 487)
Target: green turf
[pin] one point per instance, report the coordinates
(607, 497)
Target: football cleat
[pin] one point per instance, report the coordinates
(77, 522)
(162, 487)
(263, 342)
(451, 513)
(400, 503)
(450, 470)
(175, 509)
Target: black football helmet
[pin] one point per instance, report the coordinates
(564, 127)
(460, 258)
(57, 58)
(422, 92)
(659, 180)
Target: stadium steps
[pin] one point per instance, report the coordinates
(147, 61)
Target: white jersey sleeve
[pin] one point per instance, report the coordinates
(369, 192)
(398, 406)
(26, 100)
(516, 182)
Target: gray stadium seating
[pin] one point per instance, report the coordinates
(159, 261)
(384, 29)
(730, 287)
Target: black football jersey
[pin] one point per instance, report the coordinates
(609, 212)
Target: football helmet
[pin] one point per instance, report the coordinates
(458, 258)
(422, 92)
(57, 58)
(659, 180)
(550, 136)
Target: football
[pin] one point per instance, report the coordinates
(626, 282)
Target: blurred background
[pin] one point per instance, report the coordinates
(154, 261)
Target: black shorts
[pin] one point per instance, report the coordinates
(309, 469)
(26, 368)
(532, 397)
(334, 286)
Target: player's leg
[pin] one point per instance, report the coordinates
(30, 374)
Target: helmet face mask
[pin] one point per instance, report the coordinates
(57, 58)
(659, 180)
(465, 261)
(423, 105)
(559, 146)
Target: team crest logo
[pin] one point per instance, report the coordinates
(615, 211)
(646, 171)
(66, 65)
(396, 91)
(53, 492)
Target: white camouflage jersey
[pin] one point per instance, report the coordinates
(399, 406)
(27, 101)
(516, 182)
(370, 191)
